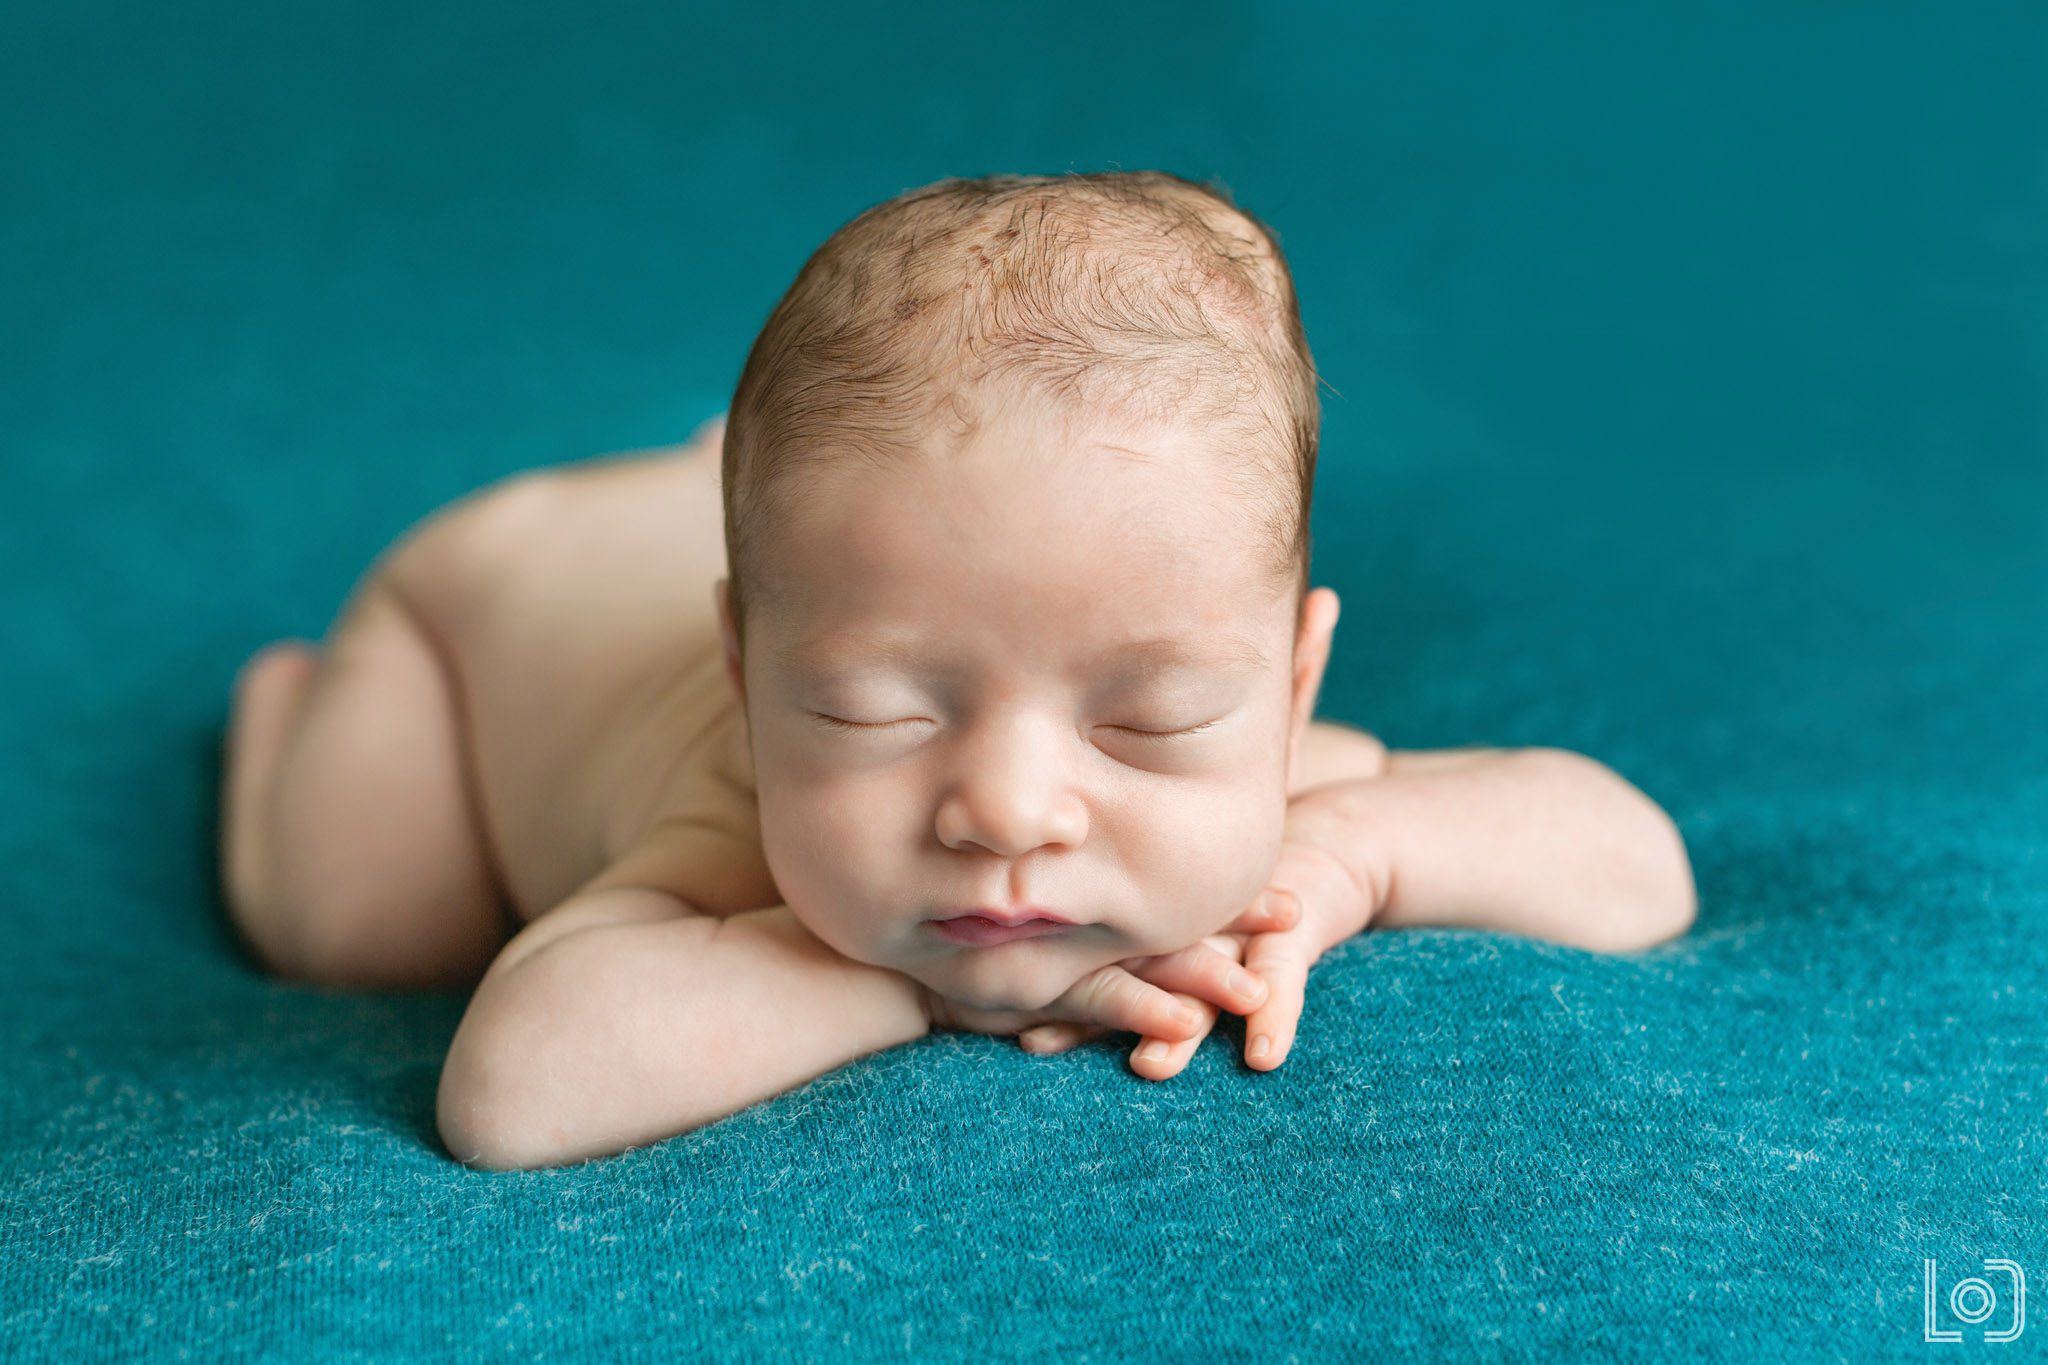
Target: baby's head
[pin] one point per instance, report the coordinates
(1017, 483)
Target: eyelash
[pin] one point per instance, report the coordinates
(839, 724)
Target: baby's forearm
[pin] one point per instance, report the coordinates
(622, 1036)
(1544, 843)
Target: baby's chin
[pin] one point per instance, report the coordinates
(1028, 975)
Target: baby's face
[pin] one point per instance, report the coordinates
(1073, 688)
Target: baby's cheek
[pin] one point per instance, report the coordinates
(1212, 877)
(816, 852)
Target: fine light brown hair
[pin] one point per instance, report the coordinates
(1136, 296)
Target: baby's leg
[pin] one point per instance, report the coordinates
(349, 848)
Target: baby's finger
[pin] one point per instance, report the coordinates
(1114, 998)
(1209, 974)
(1283, 961)
(1045, 1039)
(1159, 1059)
(1274, 909)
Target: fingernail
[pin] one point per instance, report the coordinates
(1152, 1052)
(1183, 1014)
(1261, 1045)
(1244, 983)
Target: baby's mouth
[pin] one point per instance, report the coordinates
(979, 931)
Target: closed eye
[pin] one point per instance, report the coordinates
(837, 724)
(1165, 734)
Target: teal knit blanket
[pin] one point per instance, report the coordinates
(1685, 409)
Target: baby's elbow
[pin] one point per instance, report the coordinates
(1685, 901)
(1661, 900)
(1675, 890)
(1636, 927)
(1664, 900)
(481, 1117)
(470, 1126)
(486, 1137)
(1649, 930)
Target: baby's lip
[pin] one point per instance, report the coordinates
(976, 931)
(1010, 918)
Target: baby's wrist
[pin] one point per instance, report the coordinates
(931, 1006)
(889, 998)
(1349, 830)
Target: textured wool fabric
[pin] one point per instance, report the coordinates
(1685, 410)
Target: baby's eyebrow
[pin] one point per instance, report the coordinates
(1228, 650)
(1155, 654)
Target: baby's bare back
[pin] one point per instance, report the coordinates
(574, 610)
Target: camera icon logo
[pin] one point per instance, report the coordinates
(1974, 1301)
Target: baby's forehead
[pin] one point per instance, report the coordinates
(827, 649)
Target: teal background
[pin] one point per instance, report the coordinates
(1692, 413)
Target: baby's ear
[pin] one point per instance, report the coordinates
(1319, 610)
(721, 596)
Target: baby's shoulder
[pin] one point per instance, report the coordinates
(700, 840)
(711, 865)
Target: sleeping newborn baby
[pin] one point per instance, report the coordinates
(961, 676)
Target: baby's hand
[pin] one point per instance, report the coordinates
(1161, 1057)
(1330, 871)
(1166, 997)
(1328, 884)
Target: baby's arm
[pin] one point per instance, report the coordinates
(637, 1019)
(1544, 843)
(1540, 842)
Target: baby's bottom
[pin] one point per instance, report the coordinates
(348, 845)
